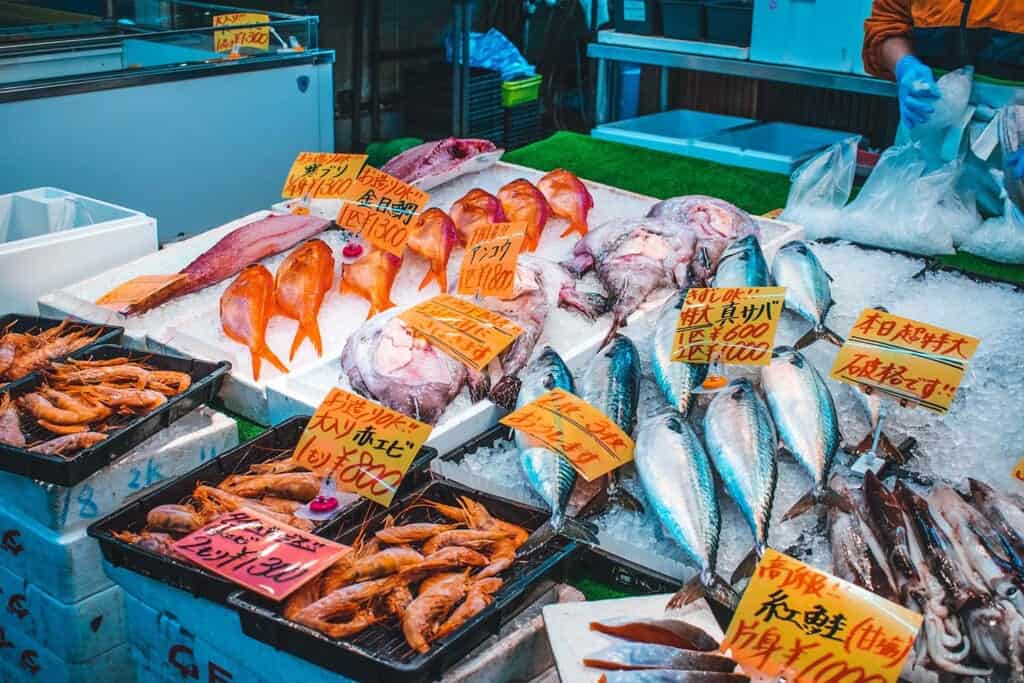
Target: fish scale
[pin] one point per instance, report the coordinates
(677, 381)
(808, 289)
(612, 382)
(742, 265)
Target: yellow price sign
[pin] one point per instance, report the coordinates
(804, 625)
(381, 208)
(906, 360)
(734, 325)
(255, 36)
(364, 446)
(489, 264)
(322, 175)
(567, 424)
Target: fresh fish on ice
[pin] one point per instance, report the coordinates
(568, 198)
(742, 442)
(1006, 518)
(301, 282)
(475, 208)
(887, 519)
(433, 238)
(626, 656)
(678, 381)
(663, 631)
(808, 289)
(742, 265)
(438, 161)
(857, 556)
(523, 202)
(371, 278)
(245, 309)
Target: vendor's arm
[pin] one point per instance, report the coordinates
(887, 35)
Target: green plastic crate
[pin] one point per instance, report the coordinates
(521, 91)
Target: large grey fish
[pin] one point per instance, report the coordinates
(806, 420)
(612, 385)
(742, 443)
(676, 476)
(808, 292)
(678, 381)
(742, 265)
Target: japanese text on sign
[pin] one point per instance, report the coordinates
(137, 290)
(364, 446)
(567, 424)
(735, 325)
(259, 553)
(319, 175)
(805, 625)
(489, 264)
(470, 334)
(255, 36)
(381, 208)
(904, 359)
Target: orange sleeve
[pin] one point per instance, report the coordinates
(889, 18)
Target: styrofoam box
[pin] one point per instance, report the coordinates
(199, 436)
(23, 659)
(50, 238)
(74, 632)
(818, 34)
(667, 131)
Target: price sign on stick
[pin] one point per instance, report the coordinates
(805, 625)
(468, 333)
(905, 360)
(365, 447)
(319, 175)
(735, 325)
(259, 553)
(567, 424)
(381, 209)
(137, 290)
(489, 264)
(256, 36)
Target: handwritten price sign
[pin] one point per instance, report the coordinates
(906, 360)
(489, 264)
(259, 553)
(380, 208)
(257, 36)
(468, 333)
(735, 325)
(569, 425)
(319, 175)
(366, 447)
(805, 625)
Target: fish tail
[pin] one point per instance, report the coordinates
(814, 498)
(818, 332)
(577, 227)
(887, 449)
(577, 529)
(720, 596)
(437, 272)
(308, 329)
(263, 352)
(616, 326)
(746, 568)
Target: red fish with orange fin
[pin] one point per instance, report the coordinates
(246, 307)
(434, 238)
(477, 207)
(302, 281)
(569, 199)
(523, 202)
(371, 278)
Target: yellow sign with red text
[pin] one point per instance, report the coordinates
(489, 263)
(256, 36)
(366, 447)
(905, 360)
(734, 325)
(804, 625)
(381, 208)
(468, 333)
(322, 175)
(567, 424)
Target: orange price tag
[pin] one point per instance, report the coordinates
(381, 208)
(366, 447)
(805, 625)
(137, 290)
(256, 37)
(319, 175)
(567, 424)
(489, 264)
(259, 553)
(466, 332)
(906, 360)
(735, 325)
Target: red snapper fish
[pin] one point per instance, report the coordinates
(371, 278)
(434, 238)
(477, 207)
(523, 202)
(569, 199)
(302, 281)
(246, 307)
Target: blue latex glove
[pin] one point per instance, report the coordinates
(1015, 164)
(917, 91)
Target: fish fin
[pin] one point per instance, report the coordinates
(814, 334)
(617, 493)
(590, 304)
(505, 392)
(804, 504)
(573, 528)
(307, 330)
(746, 568)
(831, 498)
(265, 353)
(691, 591)
(575, 226)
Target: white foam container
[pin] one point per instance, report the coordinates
(22, 658)
(50, 238)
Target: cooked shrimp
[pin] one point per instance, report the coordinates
(398, 600)
(435, 601)
(343, 601)
(301, 486)
(281, 504)
(480, 595)
(39, 357)
(129, 373)
(469, 538)
(40, 405)
(123, 400)
(175, 519)
(412, 533)
(502, 556)
(380, 564)
(212, 502)
(277, 467)
(154, 542)
(445, 559)
(10, 424)
(168, 382)
(70, 442)
(303, 598)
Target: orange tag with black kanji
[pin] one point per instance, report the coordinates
(381, 209)
(489, 264)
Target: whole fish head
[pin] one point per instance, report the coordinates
(612, 382)
(808, 289)
(545, 372)
(742, 264)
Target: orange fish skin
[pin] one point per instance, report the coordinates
(523, 202)
(302, 281)
(477, 207)
(246, 307)
(371, 278)
(569, 199)
(434, 238)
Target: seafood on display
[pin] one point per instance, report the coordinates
(433, 238)
(568, 198)
(808, 289)
(742, 265)
(477, 207)
(246, 307)
(301, 282)
(523, 202)
(22, 353)
(678, 381)
(371, 278)
(449, 157)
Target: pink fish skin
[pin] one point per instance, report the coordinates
(569, 198)
(241, 247)
(435, 157)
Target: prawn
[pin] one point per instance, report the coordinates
(470, 538)
(342, 601)
(10, 424)
(169, 382)
(501, 558)
(301, 486)
(69, 442)
(389, 561)
(67, 411)
(212, 502)
(70, 374)
(39, 357)
(412, 533)
(282, 466)
(479, 596)
(175, 519)
(124, 400)
(445, 559)
(435, 601)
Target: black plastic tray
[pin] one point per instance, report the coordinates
(68, 471)
(276, 442)
(15, 322)
(683, 19)
(729, 21)
(381, 653)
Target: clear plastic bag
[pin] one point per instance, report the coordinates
(955, 94)
(1011, 134)
(820, 188)
(492, 50)
(1000, 238)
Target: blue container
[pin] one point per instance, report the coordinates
(668, 131)
(820, 34)
(775, 147)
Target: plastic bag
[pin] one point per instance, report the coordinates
(492, 50)
(955, 95)
(1000, 238)
(960, 213)
(820, 188)
(901, 205)
(1011, 134)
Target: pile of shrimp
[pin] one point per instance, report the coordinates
(24, 352)
(429, 578)
(275, 489)
(80, 401)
